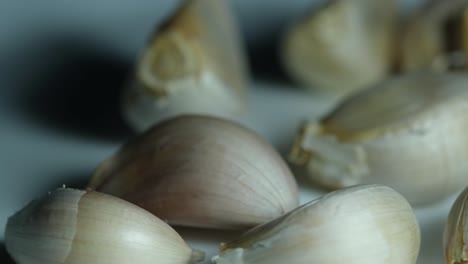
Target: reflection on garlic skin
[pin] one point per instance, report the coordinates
(408, 133)
(456, 232)
(203, 172)
(342, 47)
(72, 226)
(195, 63)
(362, 224)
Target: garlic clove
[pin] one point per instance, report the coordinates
(73, 226)
(342, 47)
(202, 172)
(408, 133)
(456, 233)
(435, 38)
(361, 224)
(195, 63)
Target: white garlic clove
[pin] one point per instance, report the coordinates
(342, 47)
(436, 37)
(362, 224)
(195, 63)
(72, 226)
(456, 232)
(203, 172)
(409, 133)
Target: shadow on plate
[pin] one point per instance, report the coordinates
(204, 236)
(264, 61)
(78, 89)
(4, 257)
(431, 241)
(305, 181)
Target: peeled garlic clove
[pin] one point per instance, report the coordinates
(362, 224)
(72, 226)
(436, 37)
(409, 133)
(343, 47)
(456, 231)
(203, 172)
(195, 63)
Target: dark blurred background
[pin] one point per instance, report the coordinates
(63, 64)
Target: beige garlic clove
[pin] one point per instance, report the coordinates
(203, 172)
(342, 47)
(436, 37)
(195, 63)
(456, 232)
(362, 224)
(409, 133)
(73, 226)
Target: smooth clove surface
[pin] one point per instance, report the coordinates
(203, 172)
(343, 46)
(362, 224)
(73, 226)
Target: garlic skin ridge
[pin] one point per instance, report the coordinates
(456, 231)
(365, 224)
(202, 172)
(418, 152)
(73, 226)
(195, 64)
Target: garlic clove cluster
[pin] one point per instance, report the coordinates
(195, 63)
(342, 47)
(362, 224)
(408, 133)
(202, 172)
(73, 226)
(436, 37)
(456, 231)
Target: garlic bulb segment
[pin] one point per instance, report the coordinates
(456, 232)
(342, 47)
(202, 172)
(72, 226)
(195, 63)
(363, 224)
(409, 133)
(436, 37)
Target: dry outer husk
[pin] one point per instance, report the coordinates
(195, 63)
(409, 133)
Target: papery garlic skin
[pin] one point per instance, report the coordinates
(195, 63)
(342, 47)
(75, 227)
(203, 172)
(363, 225)
(408, 133)
(456, 232)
